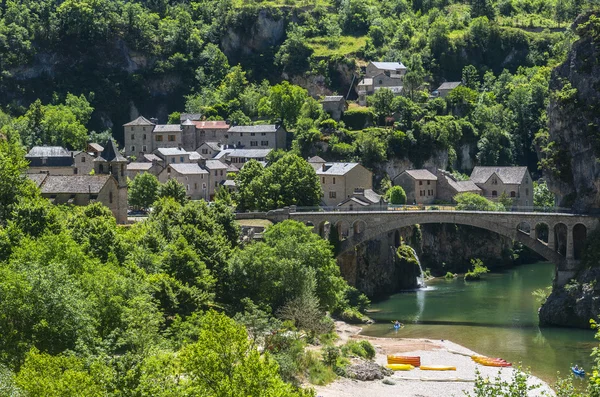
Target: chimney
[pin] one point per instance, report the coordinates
(154, 120)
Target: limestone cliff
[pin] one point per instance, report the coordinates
(570, 154)
(375, 269)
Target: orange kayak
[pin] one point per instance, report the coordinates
(491, 362)
(412, 360)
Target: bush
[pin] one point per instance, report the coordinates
(352, 316)
(396, 195)
(330, 355)
(362, 349)
(478, 270)
(358, 118)
(450, 276)
(475, 202)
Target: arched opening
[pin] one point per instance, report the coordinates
(560, 238)
(323, 229)
(397, 239)
(359, 227)
(310, 224)
(579, 237)
(513, 194)
(524, 227)
(343, 228)
(541, 232)
(494, 193)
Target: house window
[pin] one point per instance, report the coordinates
(133, 149)
(82, 159)
(195, 186)
(144, 137)
(204, 151)
(494, 181)
(144, 148)
(216, 173)
(263, 133)
(420, 183)
(494, 193)
(380, 81)
(171, 138)
(204, 186)
(221, 172)
(241, 134)
(181, 159)
(159, 138)
(526, 179)
(187, 187)
(513, 194)
(253, 143)
(334, 180)
(144, 128)
(74, 171)
(252, 134)
(323, 180)
(429, 182)
(110, 197)
(331, 194)
(132, 137)
(172, 160)
(101, 169)
(527, 192)
(264, 143)
(131, 128)
(216, 184)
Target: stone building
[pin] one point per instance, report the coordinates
(381, 75)
(420, 186)
(210, 131)
(111, 162)
(362, 198)
(53, 160)
(335, 106)
(217, 174)
(264, 136)
(209, 150)
(138, 136)
(512, 182)
(339, 181)
(444, 89)
(133, 169)
(194, 179)
(173, 155)
(448, 186)
(238, 157)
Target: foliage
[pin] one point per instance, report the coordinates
(543, 198)
(542, 294)
(362, 349)
(143, 190)
(358, 118)
(396, 195)
(173, 189)
(516, 387)
(450, 276)
(477, 271)
(288, 181)
(475, 202)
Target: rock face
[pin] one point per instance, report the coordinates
(367, 370)
(574, 123)
(375, 269)
(574, 304)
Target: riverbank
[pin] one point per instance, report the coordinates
(418, 383)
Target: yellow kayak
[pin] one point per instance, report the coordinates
(437, 368)
(400, 367)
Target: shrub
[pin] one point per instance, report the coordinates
(396, 195)
(362, 349)
(358, 118)
(478, 270)
(450, 276)
(330, 355)
(352, 316)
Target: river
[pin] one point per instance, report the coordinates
(496, 317)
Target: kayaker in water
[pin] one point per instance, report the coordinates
(397, 324)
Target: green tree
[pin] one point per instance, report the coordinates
(143, 190)
(470, 77)
(381, 102)
(15, 186)
(294, 54)
(543, 198)
(284, 103)
(396, 195)
(174, 189)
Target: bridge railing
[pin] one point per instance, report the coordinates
(427, 207)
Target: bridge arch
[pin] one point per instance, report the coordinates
(359, 226)
(524, 227)
(579, 238)
(560, 238)
(541, 232)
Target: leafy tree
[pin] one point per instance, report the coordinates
(470, 77)
(174, 189)
(284, 103)
(294, 54)
(143, 190)
(15, 185)
(543, 198)
(396, 195)
(480, 8)
(381, 102)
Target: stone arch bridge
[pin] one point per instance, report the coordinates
(558, 237)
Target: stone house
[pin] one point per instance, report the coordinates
(194, 179)
(84, 190)
(335, 106)
(263, 136)
(444, 89)
(173, 155)
(135, 168)
(208, 150)
(217, 174)
(514, 182)
(167, 136)
(52, 160)
(420, 186)
(238, 157)
(138, 136)
(362, 198)
(210, 131)
(448, 186)
(339, 181)
(83, 163)
(381, 75)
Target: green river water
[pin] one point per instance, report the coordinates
(496, 317)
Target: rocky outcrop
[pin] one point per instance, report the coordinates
(571, 152)
(375, 269)
(366, 371)
(574, 304)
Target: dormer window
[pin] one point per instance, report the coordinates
(494, 181)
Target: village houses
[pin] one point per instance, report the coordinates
(379, 75)
(340, 181)
(335, 106)
(419, 186)
(514, 183)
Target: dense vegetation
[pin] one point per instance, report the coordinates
(91, 308)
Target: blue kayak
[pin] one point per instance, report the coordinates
(578, 371)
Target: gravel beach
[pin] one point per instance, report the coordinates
(419, 383)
